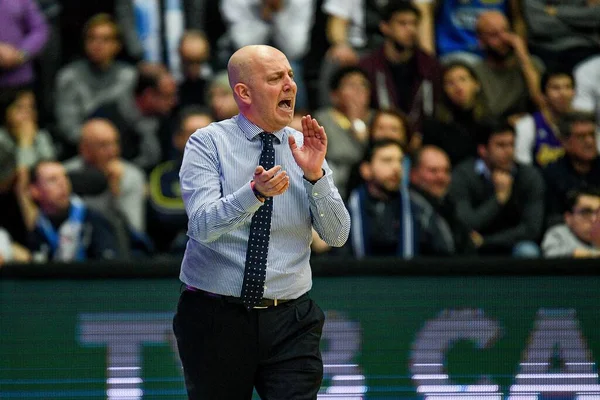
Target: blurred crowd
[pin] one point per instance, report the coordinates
(455, 127)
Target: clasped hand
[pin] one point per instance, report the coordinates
(271, 182)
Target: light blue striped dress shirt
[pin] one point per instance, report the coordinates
(218, 165)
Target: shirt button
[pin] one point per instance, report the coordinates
(322, 215)
(316, 194)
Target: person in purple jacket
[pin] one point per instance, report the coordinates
(22, 37)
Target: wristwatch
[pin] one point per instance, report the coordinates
(258, 194)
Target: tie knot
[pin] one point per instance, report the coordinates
(267, 139)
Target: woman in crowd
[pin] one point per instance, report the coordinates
(346, 122)
(458, 117)
(19, 130)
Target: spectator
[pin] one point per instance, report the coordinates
(65, 228)
(574, 237)
(507, 68)
(448, 27)
(381, 211)
(285, 24)
(194, 52)
(155, 99)
(501, 200)
(587, 86)
(345, 29)
(392, 124)
(11, 251)
(154, 28)
(401, 74)
(126, 195)
(168, 219)
(459, 115)
(22, 37)
(84, 86)
(219, 97)
(563, 32)
(19, 131)
(578, 168)
(442, 232)
(537, 135)
(346, 122)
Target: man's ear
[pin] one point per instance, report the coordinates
(568, 218)
(34, 192)
(242, 92)
(384, 28)
(365, 170)
(481, 151)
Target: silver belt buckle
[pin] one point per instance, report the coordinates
(263, 307)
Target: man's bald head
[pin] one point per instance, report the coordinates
(492, 19)
(97, 127)
(99, 142)
(242, 63)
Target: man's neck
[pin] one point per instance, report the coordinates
(395, 56)
(429, 196)
(501, 64)
(55, 215)
(582, 167)
(102, 67)
(378, 192)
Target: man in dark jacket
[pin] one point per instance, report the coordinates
(430, 177)
(501, 200)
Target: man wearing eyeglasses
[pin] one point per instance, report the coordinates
(578, 168)
(575, 238)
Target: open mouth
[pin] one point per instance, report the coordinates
(285, 104)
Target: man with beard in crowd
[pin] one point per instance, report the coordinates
(507, 68)
(384, 222)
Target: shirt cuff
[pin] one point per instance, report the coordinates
(321, 188)
(247, 199)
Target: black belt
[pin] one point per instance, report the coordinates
(264, 303)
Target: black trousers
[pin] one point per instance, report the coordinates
(226, 350)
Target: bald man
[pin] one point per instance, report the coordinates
(99, 149)
(507, 68)
(430, 178)
(253, 189)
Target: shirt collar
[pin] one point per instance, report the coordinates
(482, 169)
(252, 131)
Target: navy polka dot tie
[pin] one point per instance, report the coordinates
(258, 241)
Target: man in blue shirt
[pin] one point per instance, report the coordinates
(232, 338)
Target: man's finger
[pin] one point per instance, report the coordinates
(292, 142)
(267, 175)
